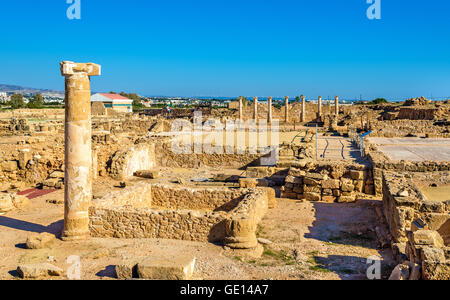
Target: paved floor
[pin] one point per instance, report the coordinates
(414, 149)
(337, 148)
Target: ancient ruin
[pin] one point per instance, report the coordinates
(373, 179)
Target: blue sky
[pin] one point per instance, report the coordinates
(233, 47)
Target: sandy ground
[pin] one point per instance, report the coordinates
(310, 241)
(439, 193)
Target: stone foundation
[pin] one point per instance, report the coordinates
(169, 212)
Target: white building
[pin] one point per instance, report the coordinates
(114, 101)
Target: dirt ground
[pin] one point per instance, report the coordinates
(310, 241)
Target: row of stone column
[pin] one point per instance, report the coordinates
(286, 107)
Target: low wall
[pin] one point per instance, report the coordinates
(213, 215)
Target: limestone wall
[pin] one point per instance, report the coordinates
(338, 182)
(126, 162)
(407, 209)
(130, 213)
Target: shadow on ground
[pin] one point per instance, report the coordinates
(345, 223)
(54, 228)
(351, 267)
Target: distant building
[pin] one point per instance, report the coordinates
(114, 101)
(4, 97)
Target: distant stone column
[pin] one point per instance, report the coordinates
(269, 110)
(241, 109)
(336, 106)
(78, 149)
(286, 109)
(255, 108)
(319, 109)
(303, 114)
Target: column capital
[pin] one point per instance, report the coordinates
(70, 68)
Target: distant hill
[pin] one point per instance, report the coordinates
(27, 90)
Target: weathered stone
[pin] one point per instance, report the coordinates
(400, 272)
(127, 269)
(40, 241)
(329, 199)
(428, 238)
(264, 241)
(34, 271)
(174, 268)
(357, 175)
(245, 183)
(312, 196)
(346, 199)
(149, 174)
(331, 184)
(436, 270)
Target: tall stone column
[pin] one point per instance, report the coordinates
(78, 153)
(286, 109)
(269, 110)
(303, 117)
(336, 106)
(255, 108)
(241, 112)
(319, 108)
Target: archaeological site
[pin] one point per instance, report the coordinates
(310, 189)
(210, 149)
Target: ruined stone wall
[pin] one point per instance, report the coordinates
(405, 128)
(126, 162)
(419, 227)
(165, 157)
(337, 182)
(129, 214)
(165, 196)
(381, 162)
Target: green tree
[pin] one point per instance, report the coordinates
(36, 102)
(379, 101)
(297, 98)
(17, 101)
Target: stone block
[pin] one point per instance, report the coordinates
(173, 268)
(245, 183)
(328, 199)
(148, 174)
(331, 184)
(357, 175)
(312, 196)
(34, 271)
(40, 241)
(312, 189)
(428, 238)
(346, 199)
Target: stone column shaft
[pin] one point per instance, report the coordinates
(255, 108)
(269, 110)
(319, 108)
(241, 112)
(286, 109)
(303, 116)
(78, 149)
(336, 106)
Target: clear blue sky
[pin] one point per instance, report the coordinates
(233, 47)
